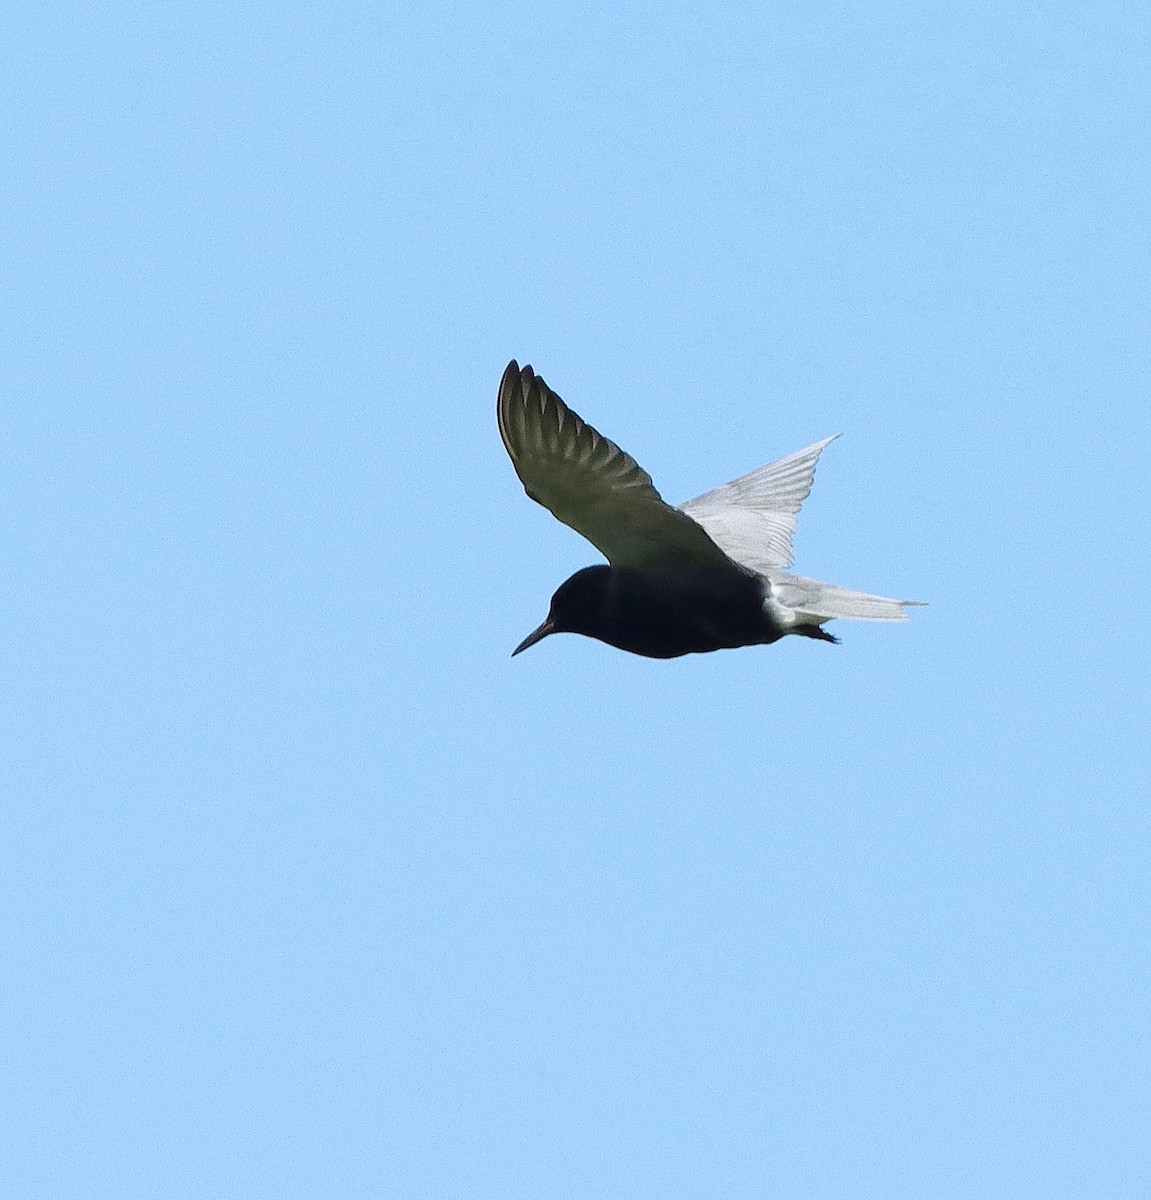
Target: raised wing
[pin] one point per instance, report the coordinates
(752, 518)
(586, 481)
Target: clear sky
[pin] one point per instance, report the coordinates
(306, 888)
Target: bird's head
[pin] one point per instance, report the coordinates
(578, 606)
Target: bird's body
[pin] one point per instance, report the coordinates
(705, 576)
(664, 619)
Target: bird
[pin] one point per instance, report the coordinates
(707, 575)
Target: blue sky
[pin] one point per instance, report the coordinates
(307, 889)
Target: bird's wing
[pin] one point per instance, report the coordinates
(752, 518)
(589, 483)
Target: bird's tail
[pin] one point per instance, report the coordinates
(808, 598)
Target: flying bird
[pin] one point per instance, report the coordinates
(708, 575)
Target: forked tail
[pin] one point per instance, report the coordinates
(809, 599)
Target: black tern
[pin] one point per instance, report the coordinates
(708, 575)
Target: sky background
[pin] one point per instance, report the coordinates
(306, 888)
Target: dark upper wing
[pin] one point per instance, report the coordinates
(589, 483)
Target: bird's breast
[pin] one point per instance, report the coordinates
(664, 618)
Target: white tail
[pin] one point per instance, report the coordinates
(808, 598)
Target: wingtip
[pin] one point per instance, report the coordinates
(515, 384)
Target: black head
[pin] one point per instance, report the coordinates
(578, 606)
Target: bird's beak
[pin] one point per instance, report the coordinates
(536, 635)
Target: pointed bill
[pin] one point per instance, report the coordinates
(536, 635)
